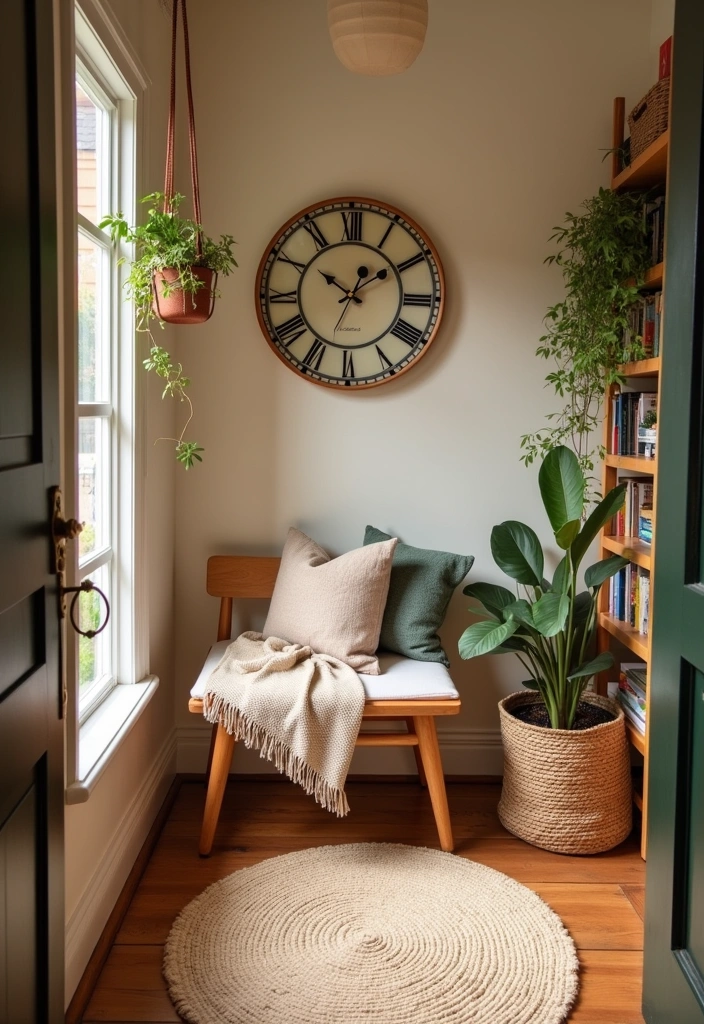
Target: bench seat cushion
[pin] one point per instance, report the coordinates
(401, 678)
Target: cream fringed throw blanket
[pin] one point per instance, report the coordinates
(301, 710)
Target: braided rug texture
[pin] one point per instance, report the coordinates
(566, 790)
(371, 932)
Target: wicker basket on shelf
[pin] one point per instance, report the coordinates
(649, 118)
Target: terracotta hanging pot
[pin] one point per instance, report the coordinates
(180, 307)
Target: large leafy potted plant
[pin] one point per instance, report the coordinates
(173, 278)
(567, 783)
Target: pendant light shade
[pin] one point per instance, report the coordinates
(377, 37)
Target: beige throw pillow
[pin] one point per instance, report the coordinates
(334, 605)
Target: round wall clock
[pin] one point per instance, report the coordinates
(350, 293)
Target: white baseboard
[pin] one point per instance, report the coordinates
(464, 752)
(100, 895)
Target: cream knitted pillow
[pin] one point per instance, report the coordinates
(334, 605)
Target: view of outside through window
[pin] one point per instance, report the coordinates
(94, 386)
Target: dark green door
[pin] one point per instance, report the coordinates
(673, 984)
(31, 733)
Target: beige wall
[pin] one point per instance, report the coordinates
(498, 128)
(104, 835)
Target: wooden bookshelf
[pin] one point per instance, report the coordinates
(647, 170)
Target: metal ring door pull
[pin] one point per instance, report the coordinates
(85, 588)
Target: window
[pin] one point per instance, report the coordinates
(103, 471)
(98, 557)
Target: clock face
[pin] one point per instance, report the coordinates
(350, 293)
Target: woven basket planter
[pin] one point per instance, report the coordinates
(649, 118)
(568, 791)
(181, 307)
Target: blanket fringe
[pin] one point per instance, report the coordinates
(219, 711)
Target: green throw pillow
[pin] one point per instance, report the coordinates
(422, 583)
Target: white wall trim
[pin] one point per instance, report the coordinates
(464, 752)
(103, 888)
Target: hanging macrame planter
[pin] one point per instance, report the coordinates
(171, 302)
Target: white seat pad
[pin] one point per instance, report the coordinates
(401, 678)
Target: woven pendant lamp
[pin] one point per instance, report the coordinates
(377, 37)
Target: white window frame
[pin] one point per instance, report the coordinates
(94, 45)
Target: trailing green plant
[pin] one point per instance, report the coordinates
(167, 241)
(548, 625)
(603, 254)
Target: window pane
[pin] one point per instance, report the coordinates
(93, 484)
(92, 153)
(94, 662)
(93, 321)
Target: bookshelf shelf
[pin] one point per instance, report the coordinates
(632, 463)
(643, 368)
(626, 634)
(632, 548)
(650, 168)
(654, 276)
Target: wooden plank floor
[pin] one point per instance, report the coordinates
(600, 899)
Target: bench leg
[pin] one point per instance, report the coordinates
(419, 759)
(222, 759)
(430, 753)
(213, 738)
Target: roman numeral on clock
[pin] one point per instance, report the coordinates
(417, 299)
(275, 296)
(314, 356)
(410, 262)
(316, 234)
(383, 358)
(386, 235)
(347, 364)
(352, 226)
(290, 330)
(300, 267)
(406, 332)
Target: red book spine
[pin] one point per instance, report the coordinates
(665, 58)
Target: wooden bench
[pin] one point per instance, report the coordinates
(243, 576)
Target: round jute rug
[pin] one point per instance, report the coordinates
(370, 932)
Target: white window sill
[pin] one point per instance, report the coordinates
(102, 733)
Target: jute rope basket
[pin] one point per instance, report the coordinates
(649, 118)
(568, 791)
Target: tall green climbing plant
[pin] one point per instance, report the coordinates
(603, 254)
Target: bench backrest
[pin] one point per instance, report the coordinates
(231, 576)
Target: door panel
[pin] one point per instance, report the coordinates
(31, 730)
(673, 984)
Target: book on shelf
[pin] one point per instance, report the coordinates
(645, 324)
(665, 62)
(629, 410)
(654, 217)
(635, 673)
(639, 501)
(629, 597)
(645, 525)
(632, 711)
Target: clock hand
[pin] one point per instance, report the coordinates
(331, 280)
(380, 276)
(362, 272)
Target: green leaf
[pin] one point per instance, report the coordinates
(484, 637)
(598, 573)
(530, 684)
(516, 550)
(492, 597)
(606, 508)
(520, 611)
(562, 488)
(565, 537)
(582, 607)
(550, 613)
(591, 668)
(560, 580)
